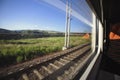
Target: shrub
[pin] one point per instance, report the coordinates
(19, 59)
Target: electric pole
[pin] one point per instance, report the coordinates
(67, 25)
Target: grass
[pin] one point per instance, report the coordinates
(15, 51)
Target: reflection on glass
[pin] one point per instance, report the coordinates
(32, 28)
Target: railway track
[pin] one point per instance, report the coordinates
(64, 66)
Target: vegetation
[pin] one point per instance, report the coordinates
(15, 51)
(26, 34)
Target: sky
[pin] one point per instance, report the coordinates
(44, 15)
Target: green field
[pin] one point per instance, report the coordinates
(15, 51)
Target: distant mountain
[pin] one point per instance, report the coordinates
(21, 34)
(36, 31)
(18, 34)
(4, 31)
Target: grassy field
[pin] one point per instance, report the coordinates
(15, 51)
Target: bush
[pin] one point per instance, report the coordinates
(19, 59)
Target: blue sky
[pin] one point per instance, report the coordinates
(43, 15)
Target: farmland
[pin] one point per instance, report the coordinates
(16, 51)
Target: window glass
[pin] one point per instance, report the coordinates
(34, 28)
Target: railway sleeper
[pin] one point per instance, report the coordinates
(38, 74)
(58, 63)
(25, 77)
(51, 67)
(72, 57)
(63, 61)
(44, 71)
(32, 76)
(67, 58)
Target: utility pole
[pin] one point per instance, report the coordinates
(67, 26)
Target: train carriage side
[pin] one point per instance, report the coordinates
(107, 64)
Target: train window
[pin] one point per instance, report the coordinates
(45, 39)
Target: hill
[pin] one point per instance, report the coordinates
(4, 31)
(20, 34)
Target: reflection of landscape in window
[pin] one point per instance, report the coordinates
(32, 28)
